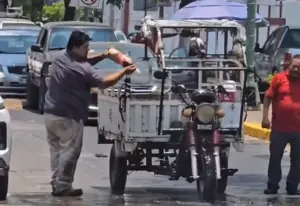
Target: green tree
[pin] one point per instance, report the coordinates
(54, 12)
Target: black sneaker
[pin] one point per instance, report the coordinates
(68, 193)
(270, 191)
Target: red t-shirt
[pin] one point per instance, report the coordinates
(285, 94)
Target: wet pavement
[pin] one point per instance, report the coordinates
(30, 173)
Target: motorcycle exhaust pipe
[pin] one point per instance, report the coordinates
(216, 140)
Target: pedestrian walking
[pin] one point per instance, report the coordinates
(283, 94)
(66, 107)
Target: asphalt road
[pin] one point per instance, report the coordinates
(30, 175)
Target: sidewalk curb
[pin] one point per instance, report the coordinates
(255, 130)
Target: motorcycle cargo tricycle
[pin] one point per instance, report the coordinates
(191, 124)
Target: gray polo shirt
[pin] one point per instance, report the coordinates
(71, 80)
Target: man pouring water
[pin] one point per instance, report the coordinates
(66, 106)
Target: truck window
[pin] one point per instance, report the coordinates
(291, 39)
(59, 37)
(16, 42)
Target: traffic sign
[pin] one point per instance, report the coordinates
(87, 3)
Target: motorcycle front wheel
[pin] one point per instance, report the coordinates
(207, 183)
(222, 183)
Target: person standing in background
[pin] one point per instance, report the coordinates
(283, 94)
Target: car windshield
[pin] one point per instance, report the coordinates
(120, 36)
(291, 39)
(59, 36)
(17, 42)
(136, 53)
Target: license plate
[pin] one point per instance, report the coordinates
(23, 80)
(204, 126)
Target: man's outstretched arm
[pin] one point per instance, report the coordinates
(95, 58)
(95, 79)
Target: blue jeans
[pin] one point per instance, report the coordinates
(278, 142)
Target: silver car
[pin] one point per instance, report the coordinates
(13, 46)
(276, 53)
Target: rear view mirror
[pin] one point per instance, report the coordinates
(36, 48)
(160, 75)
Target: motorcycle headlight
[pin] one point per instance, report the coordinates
(205, 113)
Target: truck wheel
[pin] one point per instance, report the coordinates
(222, 183)
(207, 184)
(3, 187)
(42, 92)
(31, 94)
(117, 172)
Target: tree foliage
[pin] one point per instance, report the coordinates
(54, 12)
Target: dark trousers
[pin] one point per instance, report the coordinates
(278, 142)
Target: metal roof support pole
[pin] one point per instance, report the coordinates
(86, 13)
(250, 35)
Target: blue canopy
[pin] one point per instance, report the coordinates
(216, 9)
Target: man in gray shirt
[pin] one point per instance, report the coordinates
(66, 107)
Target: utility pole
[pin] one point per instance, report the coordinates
(146, 41)
(250, 49)
(250, 35)
(161, 12)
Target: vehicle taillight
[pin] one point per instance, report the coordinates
(230, 87)
(287, 59)
(229, 97)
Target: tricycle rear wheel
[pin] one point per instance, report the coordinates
(117, 172)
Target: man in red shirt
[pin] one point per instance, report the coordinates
(284, 94)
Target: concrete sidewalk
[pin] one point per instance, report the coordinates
(252, 126)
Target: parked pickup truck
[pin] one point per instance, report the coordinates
(54, 37)
(276, 53)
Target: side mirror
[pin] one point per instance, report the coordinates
(257, 48)
(36, 48)
(160, 75)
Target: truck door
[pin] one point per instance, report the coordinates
(269, 52)
(40, 57)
